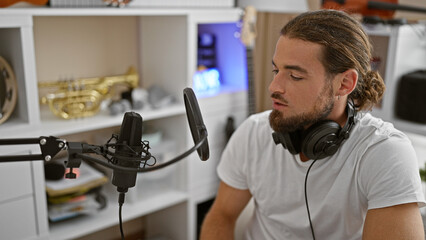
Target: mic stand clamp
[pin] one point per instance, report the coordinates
(73, 160)
(75, 149)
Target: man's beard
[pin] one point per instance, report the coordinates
(323, 107)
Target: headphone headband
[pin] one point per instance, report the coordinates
(350, 122)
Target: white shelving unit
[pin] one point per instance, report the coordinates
(402, 49)
(45, 44)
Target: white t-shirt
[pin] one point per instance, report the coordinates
(375, 167)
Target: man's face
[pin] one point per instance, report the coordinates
(300, 91)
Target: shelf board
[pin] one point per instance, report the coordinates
(83, 225)
(12, 127)
(378, 29)
(127, 11)
(51, 125)
(55, 126)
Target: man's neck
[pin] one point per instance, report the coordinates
(303, 158)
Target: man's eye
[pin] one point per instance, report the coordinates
(296, 78)
(275, 71)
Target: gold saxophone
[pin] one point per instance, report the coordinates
(83, 97)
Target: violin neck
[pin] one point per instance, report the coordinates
(393, 6)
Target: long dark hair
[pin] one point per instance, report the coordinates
(346, 46)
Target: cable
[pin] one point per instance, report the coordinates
(306, 199)
(120, 206)
(129, 169)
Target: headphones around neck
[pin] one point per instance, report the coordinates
(320, 140)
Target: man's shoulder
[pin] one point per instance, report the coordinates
(260, 117)
(382, 129)
(257, 120)
(254, 127)
(371, 131)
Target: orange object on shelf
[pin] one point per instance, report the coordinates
(7, 3)
(381, 8)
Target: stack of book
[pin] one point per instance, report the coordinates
(68, 198)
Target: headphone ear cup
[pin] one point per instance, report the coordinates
(290, 141)
(320, 140)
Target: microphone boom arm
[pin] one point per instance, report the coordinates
(49, 147)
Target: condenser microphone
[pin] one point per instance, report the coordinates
(128, 148)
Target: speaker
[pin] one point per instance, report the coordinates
(410, 101)
(320, 140)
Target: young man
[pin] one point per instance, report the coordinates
(342, 174)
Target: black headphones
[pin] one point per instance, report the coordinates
(320, 140)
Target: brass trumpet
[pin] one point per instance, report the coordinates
(83, 97)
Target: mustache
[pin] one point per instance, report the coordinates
(279, 97)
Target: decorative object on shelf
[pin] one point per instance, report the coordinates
(89, 3)
(139, 97)
(83, 97)
(206, 79)
(158, 97)
(7, 3)
(375, 63)
(134, 99)
(120, 106)
(207, 76)
(117, 3)
(206, 55)
(8, 90)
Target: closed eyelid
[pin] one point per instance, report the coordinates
(292, 67)
(296, 68)
(295, 77)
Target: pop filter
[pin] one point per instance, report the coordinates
(196, 124)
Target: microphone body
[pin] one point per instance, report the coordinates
(128, 148)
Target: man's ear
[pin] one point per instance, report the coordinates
(347, 82)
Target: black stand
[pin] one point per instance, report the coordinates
(49, 146)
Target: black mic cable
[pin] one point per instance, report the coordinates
(120, 207)
(153, 168)
(306, 199)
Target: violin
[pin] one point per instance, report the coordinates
(7, 3)
(381, 8)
